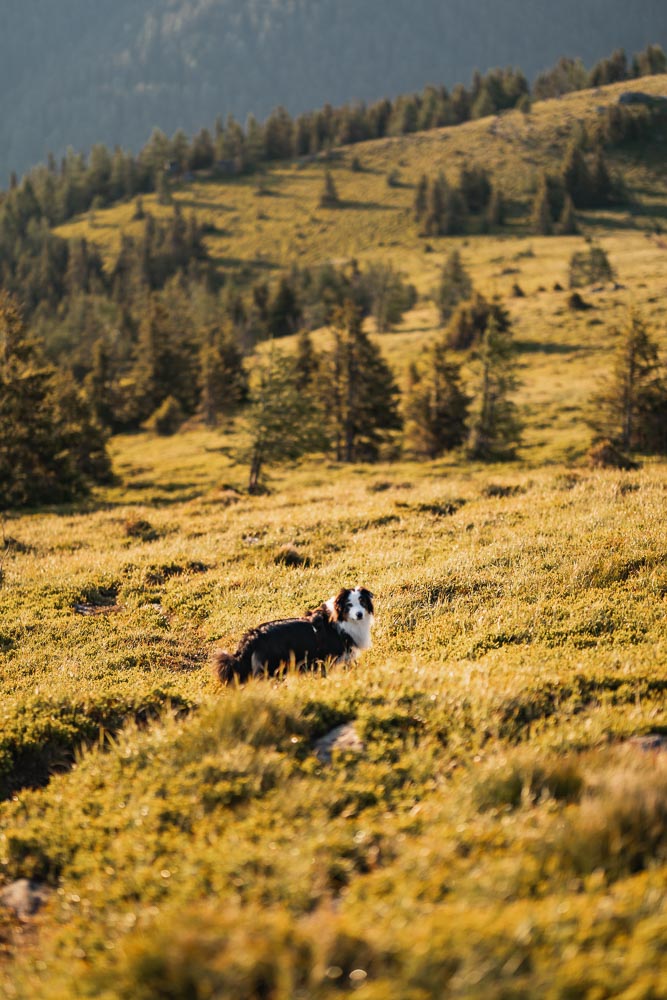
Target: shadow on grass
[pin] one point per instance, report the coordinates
(364, 206)
(254, 263)
(201, 203)
(540, 347)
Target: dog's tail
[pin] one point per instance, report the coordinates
(230, 669)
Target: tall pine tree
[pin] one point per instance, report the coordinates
(51, 449)
(360, 389)
(436, 408)
(631, 409)
(495, 430)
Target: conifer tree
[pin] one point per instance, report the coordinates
(601, 183)
(284, 310)
(420, 198)
(495, 428)
(496, 209)
(223, 381)
(589, 266)
(436, 193)
(455, 286)
(567, 224)
(99, 385)
(631, 409)
(436, 408)
(541, 221)
(51, 450)
(471, 318)
(306, 361)
(360, 389)
(284, 423)
(576, 176)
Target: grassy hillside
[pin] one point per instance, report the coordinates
(494, 824)
(496, 831)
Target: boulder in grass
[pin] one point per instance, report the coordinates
(24, 897)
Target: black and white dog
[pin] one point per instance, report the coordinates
(336, 632)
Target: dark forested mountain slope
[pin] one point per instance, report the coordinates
(76, 72)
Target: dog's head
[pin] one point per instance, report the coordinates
(352, 605)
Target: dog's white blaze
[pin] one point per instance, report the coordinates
(357, 622)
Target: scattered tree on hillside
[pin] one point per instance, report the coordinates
(389, 297)
(631, 408)
(496, 209)
(475, 187)
(360, 391)
(442, 210)
(567, 224)
(576, 175)
(649, 62)
(223, 380)
(306, 362)
(455, 286)
(421, 192)
(541, 220)
(166, 363)
(470, 320)
(567, 75)
(284, 423)
(610, 70)
(602, 185)
(436, 407)
(283, 309)
(495, 429)
(589, 266)
(51, 450)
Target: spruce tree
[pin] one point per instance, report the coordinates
(495, 429)
(421, 193)
(455, 286)
(436, 408)
(602, 186)
(436, 194)
(567, 224)
(51, 449)
(99, 385)
(306, 361)
(223, 382)
(496, 209)
(541, 221)
(631, 409)
(590, 266)
(360, 391)
(284, 423)
(284, 309)
(576, 176)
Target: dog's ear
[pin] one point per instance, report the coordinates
(340, 603)
(366, 599)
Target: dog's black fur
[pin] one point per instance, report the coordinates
(297, 643)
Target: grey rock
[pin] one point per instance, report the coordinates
(24, 897)
(343, 738)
